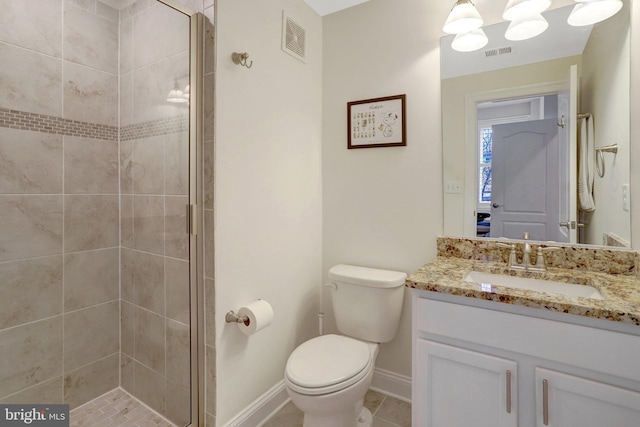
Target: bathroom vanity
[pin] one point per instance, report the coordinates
(491, 355)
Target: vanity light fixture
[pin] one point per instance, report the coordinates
(463, 18)
(589, 12)
(470, 41)
(523, 29)
(521, 9)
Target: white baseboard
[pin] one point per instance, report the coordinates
(262, 408)
(391, 384)
(385, 382)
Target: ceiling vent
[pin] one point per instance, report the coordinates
(293, 38)
(498, 51)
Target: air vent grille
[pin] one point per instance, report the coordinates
(498, 51)
(293, 38)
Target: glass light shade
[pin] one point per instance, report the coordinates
(523, 29)
(464, 17)
(176, 96)
(520, 9)
(470, 41)
(593, 11)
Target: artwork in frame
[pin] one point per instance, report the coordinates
(378, 122)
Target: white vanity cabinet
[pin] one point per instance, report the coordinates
(568, 401)
(459, 387)
(477, 366)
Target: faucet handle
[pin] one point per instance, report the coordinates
(525, 235)
(540, 260)
(512, 253)
(506, 245)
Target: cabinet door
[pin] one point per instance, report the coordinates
(454, 387)
(565, 400)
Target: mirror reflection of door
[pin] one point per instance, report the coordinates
(526, 177)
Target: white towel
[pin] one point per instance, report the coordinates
(586, 165)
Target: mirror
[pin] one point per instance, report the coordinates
(530, 80)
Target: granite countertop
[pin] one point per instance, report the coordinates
(445, 274)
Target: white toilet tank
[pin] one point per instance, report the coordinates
(367, 302)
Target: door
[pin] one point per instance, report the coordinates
(526, 180)
(455, 387)
(564, 400)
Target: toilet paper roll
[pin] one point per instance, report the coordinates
(259, 315)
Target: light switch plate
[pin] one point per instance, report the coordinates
(453, 187)
(625, 197)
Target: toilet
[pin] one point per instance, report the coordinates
(328, 376)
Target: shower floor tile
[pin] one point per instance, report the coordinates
(116, 408)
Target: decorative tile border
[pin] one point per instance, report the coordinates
(23, 120)
(165, 126)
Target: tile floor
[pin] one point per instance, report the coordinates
(387, 412)
(116, 408)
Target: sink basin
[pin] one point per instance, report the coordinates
(567, 289)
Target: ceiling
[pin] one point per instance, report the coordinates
(325, 7)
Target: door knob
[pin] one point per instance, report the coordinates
(496, 205)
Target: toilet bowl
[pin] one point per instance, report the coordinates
(327, 378)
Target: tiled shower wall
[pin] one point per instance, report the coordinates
(59, 201)
(69, 220)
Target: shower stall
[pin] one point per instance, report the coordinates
(101, 252)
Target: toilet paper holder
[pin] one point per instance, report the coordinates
(232, 317)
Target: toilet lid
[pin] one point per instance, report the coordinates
(327, 360)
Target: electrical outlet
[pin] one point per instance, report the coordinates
(453, 187)
(625, 197)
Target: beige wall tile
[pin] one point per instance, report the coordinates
(90, 166)
(30, 81)
(177, 164)
(127, 372)
(178, 353)
(30, 162)
(148, 223)
(31, 290)
(148, 174)
(150, 90)
(150, 387)
(127, 328)
(126, 221)
(41, 32)
(178, 404)
(91, 278)
(30, 226)
(90, 381)
(177, 289)
(149, 339)
(35, 350)
(90, 222)
(209, 311)
(142, 280)
(90, 95)
(175, 227)
(47, 391)
(90, 39)
(210, 380)
(148, 35)
(90, 334)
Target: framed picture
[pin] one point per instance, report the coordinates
(378, 122)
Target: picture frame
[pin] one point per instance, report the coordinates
(377, 122)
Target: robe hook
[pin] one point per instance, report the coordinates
(241, 59)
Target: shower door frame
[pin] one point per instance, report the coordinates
(194, 224)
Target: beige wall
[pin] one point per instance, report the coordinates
(604, 91)
(382, 206)
(267, 193)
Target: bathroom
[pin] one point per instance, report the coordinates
(288, 200)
